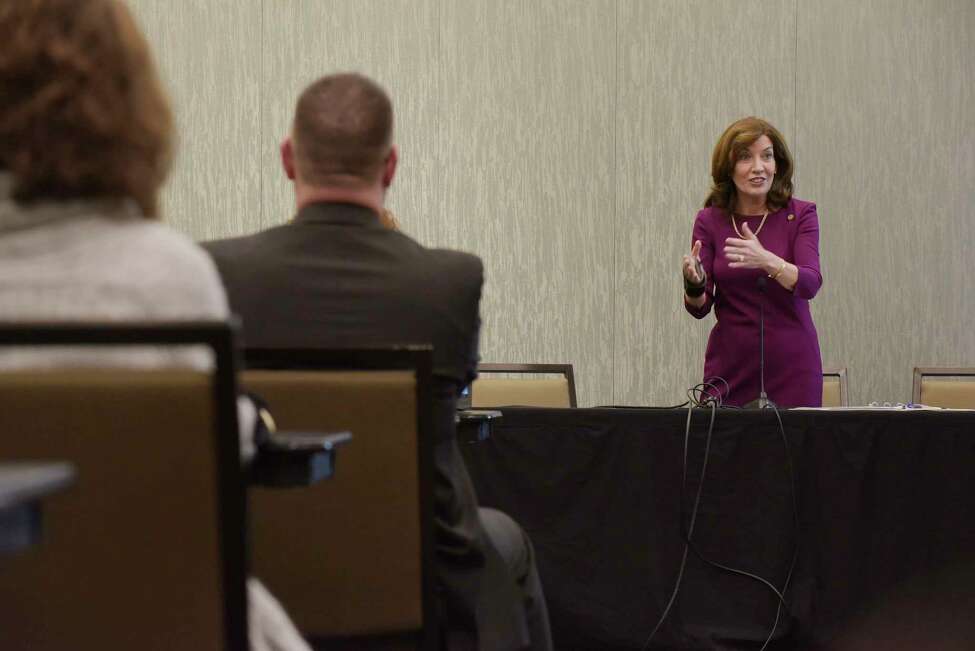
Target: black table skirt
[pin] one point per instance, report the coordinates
(882, 496)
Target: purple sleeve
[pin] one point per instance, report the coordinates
(703, 233)
(807, 255)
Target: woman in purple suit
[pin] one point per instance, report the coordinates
(756, 247)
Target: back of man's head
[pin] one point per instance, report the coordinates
(343, 130)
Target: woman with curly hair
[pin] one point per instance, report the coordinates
(755, 256)
(85, 144)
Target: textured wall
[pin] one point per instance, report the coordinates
(528, 164)
(886, 147)
(567, 142)
(209, 56)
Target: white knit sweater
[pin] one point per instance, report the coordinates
(102, 261)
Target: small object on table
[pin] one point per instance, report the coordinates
(295, 459)
(22, 486)
(474, 425)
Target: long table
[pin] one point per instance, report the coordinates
(880, 496)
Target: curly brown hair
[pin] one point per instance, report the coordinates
(83, 114)
(736, 140)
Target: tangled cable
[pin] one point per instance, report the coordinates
(708, 395)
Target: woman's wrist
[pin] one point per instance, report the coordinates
(696, 302)
(695, 289)
(773, 265)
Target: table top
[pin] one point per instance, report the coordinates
(802, 413)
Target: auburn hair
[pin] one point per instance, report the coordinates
(735, 141)
(83, 114)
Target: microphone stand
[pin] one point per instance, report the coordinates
(762, 402)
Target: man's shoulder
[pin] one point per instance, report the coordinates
(457, 259)
(457, 265)
(239, 245)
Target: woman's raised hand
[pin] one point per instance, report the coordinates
(691, 265)
(746, 252)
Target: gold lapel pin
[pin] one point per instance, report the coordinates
(790, 217)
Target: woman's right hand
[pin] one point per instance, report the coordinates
(691, 264)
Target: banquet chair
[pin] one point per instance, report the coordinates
(146, 550)
(952, 388)
(530, 391)
(351, 559)
(836, 390)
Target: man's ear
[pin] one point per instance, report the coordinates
(288, 158)
(389, 166)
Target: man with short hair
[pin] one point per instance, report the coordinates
(335, 276)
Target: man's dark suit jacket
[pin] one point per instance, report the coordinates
(336, 277)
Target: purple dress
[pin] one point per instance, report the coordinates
(793, 365)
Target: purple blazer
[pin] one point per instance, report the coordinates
(793, 365)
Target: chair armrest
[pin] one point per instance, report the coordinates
(474, 425)
(295, 459)
(22, 487)
(305, 441)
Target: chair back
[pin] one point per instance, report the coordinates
(352, 556)
(952, 388)
(145, 550)
(836, 390)
(530, 390)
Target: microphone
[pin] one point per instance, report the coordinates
(762, 402)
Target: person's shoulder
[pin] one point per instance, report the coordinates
(708, 215)
(449, 270)
(241, 245)
(224, 244)
(461, 259)
(801, 208)
(460, 263)
(153, 241)
(174, 266)
(456, 278)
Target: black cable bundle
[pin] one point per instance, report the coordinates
(707, 395)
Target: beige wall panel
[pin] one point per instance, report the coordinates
(527, 118)
(209, 55)
(687, 69)
(394, 42)
(567, 142)
(887, 150)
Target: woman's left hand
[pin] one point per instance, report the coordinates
(747, 253)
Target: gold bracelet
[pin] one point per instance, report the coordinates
(778, 271)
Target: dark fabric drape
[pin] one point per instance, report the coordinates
(882, 496)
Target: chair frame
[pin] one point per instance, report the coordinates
(219, 337)
(561, 369)
(841, 373)
(920, 372)
(420, 360)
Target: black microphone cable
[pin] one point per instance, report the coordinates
(694, 395)
(795, 524)
(699, 396)
(718, 395)
(780, 595)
